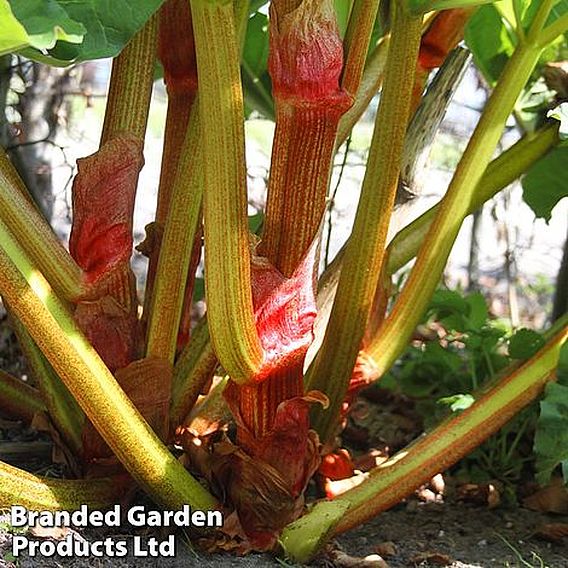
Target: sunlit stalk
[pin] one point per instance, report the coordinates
(227, 256)
(18, 487)
(393, 336)
(331, 370)
(91, 383)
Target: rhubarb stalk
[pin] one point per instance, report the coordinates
(227, 258)
(305, 63)
(19, 487)
(424, 277)
(436, 451)
(176, 51)
(331, 369)
(91, 383)
(34, 232)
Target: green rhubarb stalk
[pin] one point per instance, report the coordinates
(446, 444)
(182, 224)
(18, 487)
(394, 334)
(192, 371)
(63, 410)
(356, 42)
(371, 82)
(35, 234)
(18, 399)
(501, 172)
(177, 55)
(227, 256)
(131, 83)
(91, 383)
(331, 370)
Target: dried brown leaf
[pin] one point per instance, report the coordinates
(550, 499)
(387, 548)
(56, 533)
(553, 532)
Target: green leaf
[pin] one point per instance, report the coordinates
(551, 436)
(447, 301)
(254, 67)
(546, 182)
(560, 113)
(255, 222)
(457, 402)
(13, 36)
(490, 40)
(70, 31)
(47, 22)
(525, 343)
(562, 369)
(478, 313)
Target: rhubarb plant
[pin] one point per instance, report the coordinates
(282, 350)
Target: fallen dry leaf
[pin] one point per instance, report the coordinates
(553, 532)
(479, 494)
(341, 559)
(56, 533)
(431, 557)
(387, 548)
(550, 499)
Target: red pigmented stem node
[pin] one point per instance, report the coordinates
(305, 63)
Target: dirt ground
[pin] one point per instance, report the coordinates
(413, 534)
(441, 533)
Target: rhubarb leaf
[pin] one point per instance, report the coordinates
(546, 183)
(47, 22)
(254, 72)
(13, 35)
(69, 31)
(490, 41)
(551, 437)
(525, 343)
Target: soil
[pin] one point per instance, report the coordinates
(413, 534)
(440, 532)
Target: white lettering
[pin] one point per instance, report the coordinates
(18, 516)
(198, 518)
(19, 543)
(136, 516)
(214, 519)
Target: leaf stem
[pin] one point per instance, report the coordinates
(131, 83)
(91, 383)
(356, 42)
(424, 277)
(552, 31)
(434, 452)
(63, 410)
(35, 234)
(182, 224)
(193, 369)
(227, 255)
(42, 494)
(364, 254)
